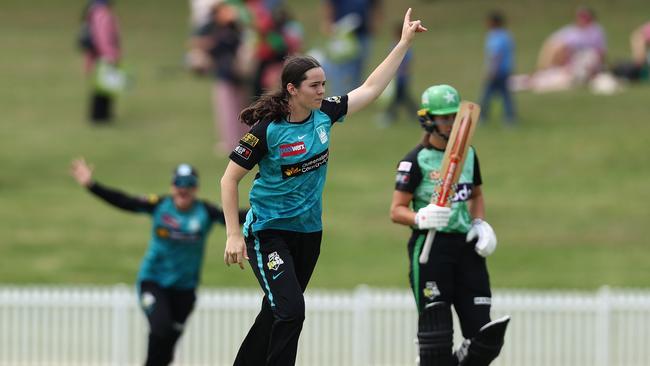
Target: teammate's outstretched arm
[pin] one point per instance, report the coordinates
(82, 172)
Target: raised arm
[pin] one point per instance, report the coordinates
(365, 94)
(83, 174)
(235, 251)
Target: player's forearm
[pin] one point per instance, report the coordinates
(375, 84)
(477, 207)
(230, 202)
(402, 215)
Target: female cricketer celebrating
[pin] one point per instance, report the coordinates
(289, 141)
(170, 271)
(456, 273)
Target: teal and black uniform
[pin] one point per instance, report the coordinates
(171, 268)
(283, 228)
(455, 274)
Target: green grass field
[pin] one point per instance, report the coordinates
(566, 191)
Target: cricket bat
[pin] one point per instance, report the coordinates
(452, 162)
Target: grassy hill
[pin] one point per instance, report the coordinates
(566, 191)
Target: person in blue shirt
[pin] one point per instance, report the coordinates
(499, 62)
(346, 71)
(171, 268)
(289, 142)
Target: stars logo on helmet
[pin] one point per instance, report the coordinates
(449, 97)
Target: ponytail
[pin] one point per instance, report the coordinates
(271, 106)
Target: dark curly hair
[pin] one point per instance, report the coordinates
(273, 106)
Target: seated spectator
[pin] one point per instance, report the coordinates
(571, 56)
(579, 47)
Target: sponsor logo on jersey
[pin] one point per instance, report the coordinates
(336, 99)
(463, 192)
(404, 166)
(402, 178)
(434, 175)
(274, 261)
(322, 134)
(170, 221)
(430, 290)
(162, 232)
(305, 166)
(250, 139)
(295, 148)
(194, 225)
(482, 301)
(243, 151)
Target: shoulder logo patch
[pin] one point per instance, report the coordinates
(250, 139)
(336, 99)
(243, 151)
(404, 166)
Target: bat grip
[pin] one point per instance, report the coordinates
(426, 249)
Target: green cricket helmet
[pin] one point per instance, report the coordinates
(437, 100)
(441, 99)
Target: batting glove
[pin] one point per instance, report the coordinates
(487, 240)
(432, 216)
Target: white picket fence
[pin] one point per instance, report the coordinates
(367, 326)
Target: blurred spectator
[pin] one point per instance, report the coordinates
(273, 4)
(637, 68)
(399, 94)
(278, 36)
(219, 47)
(100, 42)
(580, 47)
(499, 63)
(201, 12)
(640, 44)
(346, 72)
(571, 56)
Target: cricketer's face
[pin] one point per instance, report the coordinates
(445, 123)
(183, 197)
(310, 93)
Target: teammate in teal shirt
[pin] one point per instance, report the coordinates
(456, 272)
(289, 142)
(171, 268)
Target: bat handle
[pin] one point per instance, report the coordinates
(426, 250)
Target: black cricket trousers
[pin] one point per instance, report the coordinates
(283, 262)
(167, 311)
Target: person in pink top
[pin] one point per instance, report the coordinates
(580, 46)
(100, 40)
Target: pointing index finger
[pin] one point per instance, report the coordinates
(407, 16)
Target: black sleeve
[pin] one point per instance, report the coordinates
(335, 107)
(478, 180)
(409, 175)
(124, 201)
(252, 146)
(216, 214)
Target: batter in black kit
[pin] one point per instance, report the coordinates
(456, 272)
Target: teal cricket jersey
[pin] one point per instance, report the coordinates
(419, 174)
(292, 160)
(175, 254)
